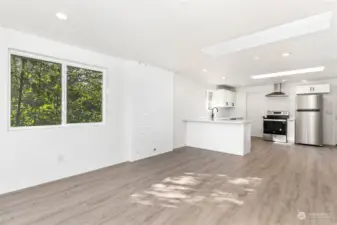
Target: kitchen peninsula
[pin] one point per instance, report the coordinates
(227, 136)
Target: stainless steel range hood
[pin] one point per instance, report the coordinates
(277, 91)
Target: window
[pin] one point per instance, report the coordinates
(35, 92)
(40, 98)
(209, 99)
(84, 95)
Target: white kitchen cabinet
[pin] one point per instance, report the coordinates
(291, 131)
(313, 89)
(223, 98)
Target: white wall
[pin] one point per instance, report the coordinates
(149, 112)
(189, 103)
(257, 105)
(31, 157)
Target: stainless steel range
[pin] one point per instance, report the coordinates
(275, 126)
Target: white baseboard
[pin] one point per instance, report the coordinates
(179, 146)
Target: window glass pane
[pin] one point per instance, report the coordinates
(35, 92)
(84, 95)
(209, 98)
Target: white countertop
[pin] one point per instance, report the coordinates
(219, 121)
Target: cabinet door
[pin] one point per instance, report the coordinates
(227, 98)
(233, 102)
(219, 99)
(223, 98)
(291, 131)
(230, 99)
(302, 89)
(313, 89)
(321, 88)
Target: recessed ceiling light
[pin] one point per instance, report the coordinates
(286, 54)
(204, 70)
(304, 81)
(289, 73)
(283, 80)
(61, 16)
(256, 58)
(224, 78)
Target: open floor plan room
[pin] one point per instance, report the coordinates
(168, 112)
(272, 185)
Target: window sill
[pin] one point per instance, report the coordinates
(72, 125)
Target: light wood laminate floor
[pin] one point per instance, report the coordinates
(272, 185)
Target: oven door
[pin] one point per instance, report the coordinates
(275, 126)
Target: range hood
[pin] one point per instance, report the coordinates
(277, 91)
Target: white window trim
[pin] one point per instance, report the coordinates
(207, 93)
(64, 78)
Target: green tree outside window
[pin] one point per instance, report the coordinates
(36, 93)
(84, 95)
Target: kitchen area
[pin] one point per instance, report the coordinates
(284, 113)
(306, 127)
(220, 132)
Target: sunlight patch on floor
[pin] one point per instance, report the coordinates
(198, 189)
(245, 181)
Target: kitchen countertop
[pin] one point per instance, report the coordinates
(219, 121)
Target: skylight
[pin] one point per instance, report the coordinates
(297, 28)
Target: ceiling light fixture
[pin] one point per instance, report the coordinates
(304, 81)
(256, 58)
(204, 70)
(290, 73)
(286, 54)
(224, 78)
(61, 16)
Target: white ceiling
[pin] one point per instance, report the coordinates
(172, 33)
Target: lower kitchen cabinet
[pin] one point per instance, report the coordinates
(291, 131)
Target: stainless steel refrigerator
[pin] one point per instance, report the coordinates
(309, 120)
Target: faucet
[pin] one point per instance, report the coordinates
(213, 115)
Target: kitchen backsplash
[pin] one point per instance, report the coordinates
(224, 112)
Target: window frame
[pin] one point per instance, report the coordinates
(207, 101)
(64, 78)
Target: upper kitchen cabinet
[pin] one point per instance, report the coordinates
(313, 89)
(224, 98)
